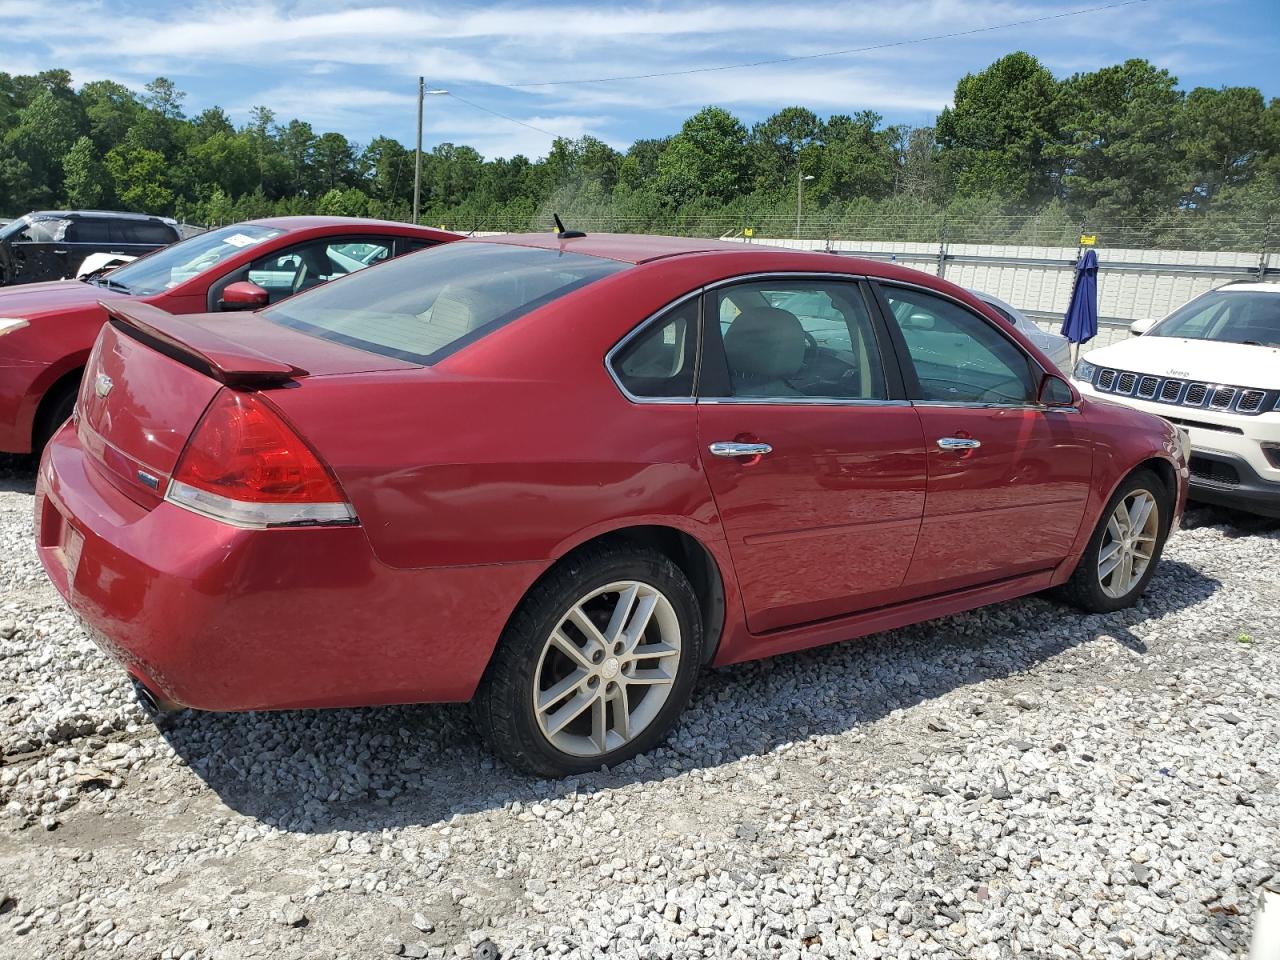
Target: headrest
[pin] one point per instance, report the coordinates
(765, 342)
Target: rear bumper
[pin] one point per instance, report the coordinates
(218, 618)
(1226, 480)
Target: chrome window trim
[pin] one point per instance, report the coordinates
(804, 402)
(786, 275)
(988, 405)
(639, 329)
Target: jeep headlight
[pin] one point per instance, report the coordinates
(1084, 371)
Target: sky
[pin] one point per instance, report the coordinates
(353, 67)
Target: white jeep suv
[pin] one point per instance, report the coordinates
(1213, 368)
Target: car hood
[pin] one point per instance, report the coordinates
(1209, 361)
(32, 299)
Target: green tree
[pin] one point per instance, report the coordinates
(996, 133)
(707, 158)
(782, 145)
(1120, 152)
(388, 169)
(1223, 136)
(47, 128)
(141, 179)
(333, 161)
(86, 182)
(111, 109)
(856, 159)
(226, 160)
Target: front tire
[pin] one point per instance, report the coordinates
(57, 411)
(1124, 551)
(596, 664)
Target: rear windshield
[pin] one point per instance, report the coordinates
(426, 305)
(171, 266)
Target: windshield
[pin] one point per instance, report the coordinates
(424, 306)
(1232, 316)
(175, 264)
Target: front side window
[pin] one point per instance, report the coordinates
(1233, 316)
(798, 338)
(958, 356)
(290, 271)
(39, 230)
(178, 263)
(660, 361)
(423, 306)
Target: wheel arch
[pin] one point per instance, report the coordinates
(686, 551)
(68, 380)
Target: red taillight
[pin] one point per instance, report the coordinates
(246, 465)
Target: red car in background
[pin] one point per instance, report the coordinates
(47, 329)
(556, 476)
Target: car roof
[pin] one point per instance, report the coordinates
(114, 214)
(313, 223)
(1260, 286)
(624, 247)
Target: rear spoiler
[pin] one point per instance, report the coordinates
(197, 346)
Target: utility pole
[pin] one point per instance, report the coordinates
(800, 179)
(417, 154)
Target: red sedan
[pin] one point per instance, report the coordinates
(558, 475)
(47, 329)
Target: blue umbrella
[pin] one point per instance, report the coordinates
(1081, 322)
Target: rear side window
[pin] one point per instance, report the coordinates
(659, 362)
(143, 232)
(424, 306)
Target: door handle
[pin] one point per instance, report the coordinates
(958, 443)
(727, 448)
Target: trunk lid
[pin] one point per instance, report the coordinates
(152, 375)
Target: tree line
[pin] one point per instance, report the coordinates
(1107, 149)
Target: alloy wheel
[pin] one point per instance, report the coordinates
(1128, 543)
(607, 668)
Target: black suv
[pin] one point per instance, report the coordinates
(51, 244)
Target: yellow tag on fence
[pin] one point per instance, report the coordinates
(1088, 239)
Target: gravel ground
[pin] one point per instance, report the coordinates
(1021, 780)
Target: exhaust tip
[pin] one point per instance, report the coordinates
(152, 703)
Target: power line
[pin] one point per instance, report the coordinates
(504, 116)
(818, 56)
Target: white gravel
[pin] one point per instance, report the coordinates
(1020, 781)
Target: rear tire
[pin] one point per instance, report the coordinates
(56, 411)
(595, 665)
(1124, 551)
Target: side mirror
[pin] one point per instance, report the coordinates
(243, 295)
(1056, 392)
(1139, 327)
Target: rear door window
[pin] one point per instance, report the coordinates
(94, 230)
(421, 309)
(796, 339)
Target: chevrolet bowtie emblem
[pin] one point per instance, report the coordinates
(102, 386)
